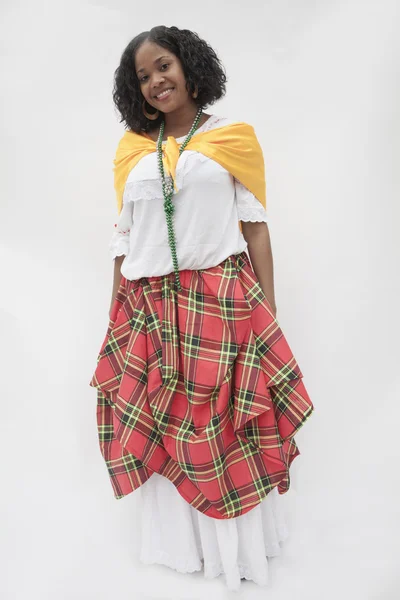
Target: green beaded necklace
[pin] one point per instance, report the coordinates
(168, 191)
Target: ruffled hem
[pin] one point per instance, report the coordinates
(116, 253)
(175, 535)
(119, 247)
(248, 207)
(254, 216)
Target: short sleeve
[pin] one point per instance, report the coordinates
(248, 207)
(119, 243)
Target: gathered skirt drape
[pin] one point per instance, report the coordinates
(201, 387)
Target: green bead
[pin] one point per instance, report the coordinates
(168, 191)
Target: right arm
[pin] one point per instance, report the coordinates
(117, 279)
(119, 246)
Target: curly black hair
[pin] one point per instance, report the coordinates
(200, 65)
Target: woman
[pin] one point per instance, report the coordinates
(199, 395)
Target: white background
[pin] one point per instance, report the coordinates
(319, 81)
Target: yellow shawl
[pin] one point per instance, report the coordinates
(235, 147)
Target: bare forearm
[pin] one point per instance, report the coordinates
(117, 277)
(260, 252)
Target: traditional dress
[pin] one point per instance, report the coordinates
(199, 395)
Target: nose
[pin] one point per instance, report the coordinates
(158, 80)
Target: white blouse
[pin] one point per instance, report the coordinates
(208, 205)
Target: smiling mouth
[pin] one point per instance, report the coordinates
(164, 94)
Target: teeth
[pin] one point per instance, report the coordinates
(164, 93)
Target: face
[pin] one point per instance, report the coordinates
(158, 69)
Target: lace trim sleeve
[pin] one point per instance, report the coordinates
(119, 243)
(248, 207)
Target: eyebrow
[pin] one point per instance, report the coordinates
(157, 60)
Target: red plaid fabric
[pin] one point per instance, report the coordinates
(199, 385)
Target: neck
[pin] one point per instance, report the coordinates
(181, 118)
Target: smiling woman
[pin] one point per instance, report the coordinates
(199, 395)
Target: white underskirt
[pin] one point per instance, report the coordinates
(177, 535)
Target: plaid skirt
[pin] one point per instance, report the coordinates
(200, 386)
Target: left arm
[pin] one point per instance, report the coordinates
(260, 252)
